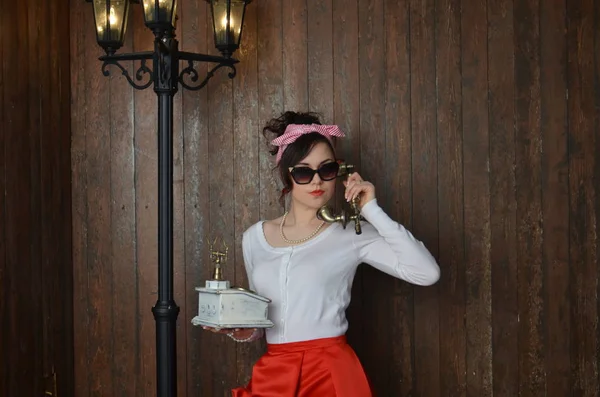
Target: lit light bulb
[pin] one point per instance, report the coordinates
(224, 22)
(112, 17)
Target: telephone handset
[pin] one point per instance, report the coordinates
(326, 214)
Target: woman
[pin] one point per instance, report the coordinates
(306, 268)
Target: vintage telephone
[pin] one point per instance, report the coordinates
(326, 214)
(221, 305)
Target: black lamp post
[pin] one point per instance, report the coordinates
(159, 16)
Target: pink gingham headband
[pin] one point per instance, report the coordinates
(294, 131)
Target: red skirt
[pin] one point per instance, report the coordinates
(318, 368)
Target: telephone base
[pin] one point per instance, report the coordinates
(246, 324)
(217, 284)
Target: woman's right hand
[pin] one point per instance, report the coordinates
(217, 330)
(238, 333)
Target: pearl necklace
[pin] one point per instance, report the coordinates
(313, 234)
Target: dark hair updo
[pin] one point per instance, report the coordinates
(296, 150)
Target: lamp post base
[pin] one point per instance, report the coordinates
(165, 315)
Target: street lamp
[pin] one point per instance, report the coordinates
(159, 15)
(111, 20)
(228, 17)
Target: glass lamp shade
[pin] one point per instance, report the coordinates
(228, 19)
(160, 13)
(111, 22)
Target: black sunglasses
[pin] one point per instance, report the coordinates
(303, 175)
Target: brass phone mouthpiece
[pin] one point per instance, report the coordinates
(326, 214)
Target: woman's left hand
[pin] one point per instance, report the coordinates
(356, 187)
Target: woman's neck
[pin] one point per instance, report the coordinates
(299, 215)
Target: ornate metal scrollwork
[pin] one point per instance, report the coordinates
(139, 74)
(166, 58)
(193, 75)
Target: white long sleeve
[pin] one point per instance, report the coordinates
(310, 284)
(389, 247)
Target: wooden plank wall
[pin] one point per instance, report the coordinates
(476, 120)
(36, 315)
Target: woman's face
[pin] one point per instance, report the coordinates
(317, 192)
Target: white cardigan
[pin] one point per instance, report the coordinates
(310, 283)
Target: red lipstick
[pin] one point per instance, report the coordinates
(317, 192)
